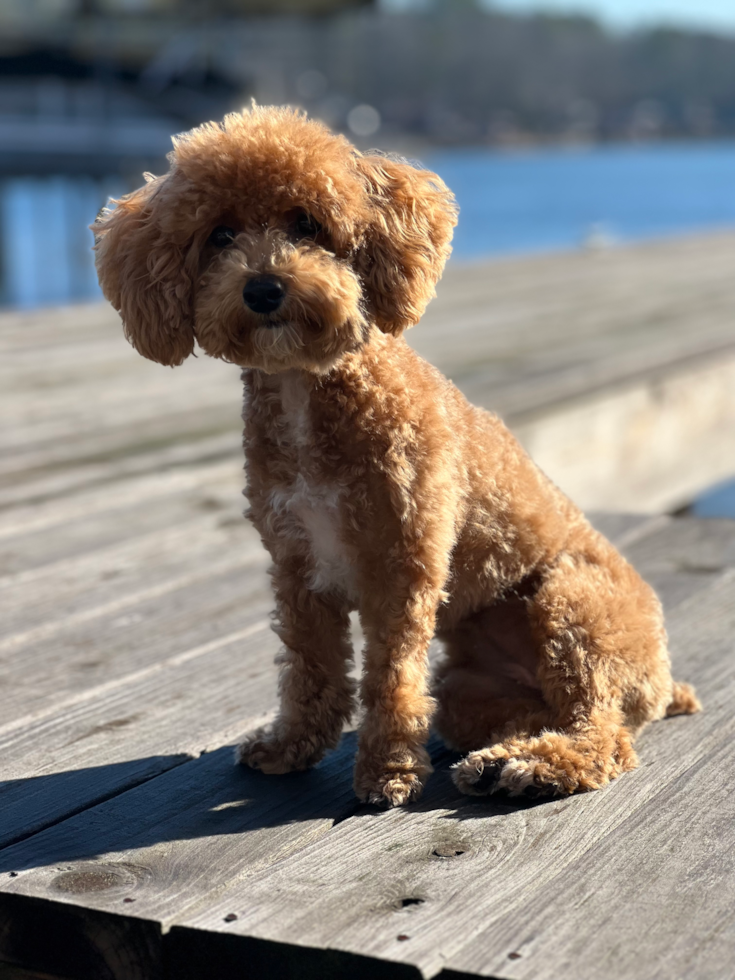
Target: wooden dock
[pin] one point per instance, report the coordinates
(135, 650)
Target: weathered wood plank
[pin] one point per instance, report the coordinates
(121, 734)
(77, 656)
(527, 332)
(379, 884)
(110, 705)
(354, 884)
(148, 429)
(687, 544)
(46, 483)
(164, 849)
(652, 442)
(57, 943)
(36, 602)
(40, 515)
(34, 535)
(73, 655)
(624, 529)
(684, 556)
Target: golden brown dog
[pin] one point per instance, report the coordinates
(375, 486)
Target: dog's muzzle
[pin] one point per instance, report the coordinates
(264, 294)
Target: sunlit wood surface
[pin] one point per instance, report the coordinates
(135, 648)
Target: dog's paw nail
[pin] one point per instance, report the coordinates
(377, 799)
(478, 776)
(393, 790)
(488, 779)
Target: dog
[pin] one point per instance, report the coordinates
(375, 486)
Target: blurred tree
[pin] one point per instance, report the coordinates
(451, 71)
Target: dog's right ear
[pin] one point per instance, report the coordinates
(144, 273)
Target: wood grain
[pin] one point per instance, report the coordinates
(36, 602)
(377, 877)
(122, 734)
(354, 887)
(45, 534)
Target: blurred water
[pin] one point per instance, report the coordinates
(45, 245)
(510, 202)
(718, 501)
(557, 198)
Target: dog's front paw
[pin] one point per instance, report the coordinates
(275, 751)
(392, 783)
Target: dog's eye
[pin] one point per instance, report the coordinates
(305, 226)
(222, 236)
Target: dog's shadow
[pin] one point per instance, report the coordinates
(81, 814)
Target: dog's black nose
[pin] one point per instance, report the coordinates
(264, 294)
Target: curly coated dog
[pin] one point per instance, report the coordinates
(375, 486)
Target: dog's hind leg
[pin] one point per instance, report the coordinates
(486, 686)
(551, 763)
(603, 670)
(317, 696)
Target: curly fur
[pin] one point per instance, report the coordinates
(376, 486)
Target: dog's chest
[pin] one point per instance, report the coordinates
(310, 507)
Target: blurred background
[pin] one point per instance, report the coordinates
(559, 125)
(553, 122)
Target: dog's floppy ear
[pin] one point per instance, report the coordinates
(407, 242)
(143, 272)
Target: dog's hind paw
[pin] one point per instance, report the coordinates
(481, 773)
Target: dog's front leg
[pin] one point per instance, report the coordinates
(392, 763)
(317, 696)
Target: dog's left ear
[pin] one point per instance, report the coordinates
(407, 242)
(144, 272)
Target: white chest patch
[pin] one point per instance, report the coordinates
(311, 510)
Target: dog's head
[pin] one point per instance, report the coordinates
(273, 243)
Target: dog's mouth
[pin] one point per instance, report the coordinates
(275, 337)
(270, 321)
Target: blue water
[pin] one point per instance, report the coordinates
(45, 244)
(718, 501)
(520, 201)
(539, 200)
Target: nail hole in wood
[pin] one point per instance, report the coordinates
(405, 902)
(230, 917)
(514, 956)
(447, 851)
(402, 938)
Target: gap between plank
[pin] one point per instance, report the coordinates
(185, 757)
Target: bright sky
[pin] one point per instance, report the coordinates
(710, 14)
(628, 13)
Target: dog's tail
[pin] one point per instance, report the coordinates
(684, 701)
